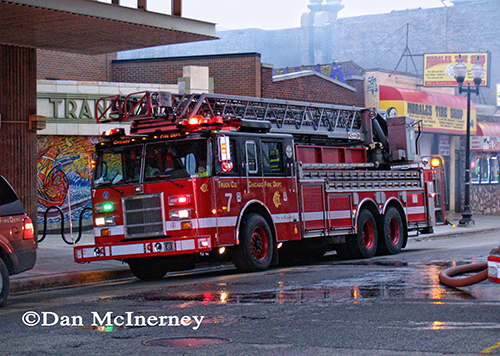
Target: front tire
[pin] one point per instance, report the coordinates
(255, 250)
(4, 282)
(391, 232)
(147, 269)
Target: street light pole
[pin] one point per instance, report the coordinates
(477, 73)
(467, 214)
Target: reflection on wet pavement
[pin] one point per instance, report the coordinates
(376, 280)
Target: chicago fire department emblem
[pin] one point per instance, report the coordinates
(277, 199)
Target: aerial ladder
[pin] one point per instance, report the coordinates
(152, 112)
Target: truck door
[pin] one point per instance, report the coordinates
(237, 187)
(228, 188)
(279, 187)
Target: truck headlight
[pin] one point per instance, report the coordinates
(180, 214)
(105, 220)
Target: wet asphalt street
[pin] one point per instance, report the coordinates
(388, 305)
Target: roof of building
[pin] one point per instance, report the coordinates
(307, 73)
(92, 27)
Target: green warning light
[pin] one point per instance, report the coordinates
(107, 207)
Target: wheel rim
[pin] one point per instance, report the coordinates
(394, 231)
(368, 234)
(260, 243)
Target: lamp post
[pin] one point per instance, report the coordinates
(477, 73)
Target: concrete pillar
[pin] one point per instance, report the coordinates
(176, 8)
(142, 4)
(195, 80)
(18, 152)
(315, 36)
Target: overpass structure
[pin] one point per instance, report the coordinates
(76, 26)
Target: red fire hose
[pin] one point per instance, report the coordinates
(446, 276)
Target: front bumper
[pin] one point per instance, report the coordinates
(142, 248)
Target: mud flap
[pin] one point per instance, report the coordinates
(431, 207)
(276, 260)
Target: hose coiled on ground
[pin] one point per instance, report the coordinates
(446, 276)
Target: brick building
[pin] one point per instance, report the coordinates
(243, 74)
(54, 65)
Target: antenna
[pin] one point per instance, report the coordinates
(406, 53)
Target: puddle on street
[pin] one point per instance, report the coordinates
(387, 280)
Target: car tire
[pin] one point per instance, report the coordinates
(4, 282)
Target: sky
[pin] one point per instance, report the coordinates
(274, 14)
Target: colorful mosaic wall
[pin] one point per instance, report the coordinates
(63, 176)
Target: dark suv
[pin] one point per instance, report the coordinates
(17, 242)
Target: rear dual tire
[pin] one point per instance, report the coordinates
(364, 243)
(385, 236)
(391, 232)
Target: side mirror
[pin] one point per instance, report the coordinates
(224, 149)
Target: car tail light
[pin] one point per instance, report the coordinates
(28, 231)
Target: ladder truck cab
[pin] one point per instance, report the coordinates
(260, 181)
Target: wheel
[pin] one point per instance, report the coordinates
(364, 243)
(148, 269)
(4, 282)
(391, 232)
(255, 250)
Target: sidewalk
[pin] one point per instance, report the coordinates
(55, 266)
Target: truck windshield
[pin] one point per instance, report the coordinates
(118, 165)
(178, 159)
(161, 160)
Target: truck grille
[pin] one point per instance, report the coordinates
(143, 216)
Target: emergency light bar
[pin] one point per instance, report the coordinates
(200, 120)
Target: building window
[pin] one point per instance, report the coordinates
(475, 166)
(494, 169)
(484, 170)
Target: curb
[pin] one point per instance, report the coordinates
(24, 285)
(459, 231)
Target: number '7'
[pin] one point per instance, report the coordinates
(229, 196)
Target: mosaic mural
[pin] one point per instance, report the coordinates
(63, 176)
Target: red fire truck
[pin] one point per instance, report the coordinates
(260, 180)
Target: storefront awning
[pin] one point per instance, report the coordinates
(440, 113)
(487, 138)
(490, 129)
